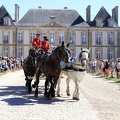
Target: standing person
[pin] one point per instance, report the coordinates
(107, 68)
(118, 68)
(94, 64)
(45, 44)
(112, 67)
(37, 42)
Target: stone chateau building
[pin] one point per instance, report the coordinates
(101, 35)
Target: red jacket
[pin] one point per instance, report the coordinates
(37, 42)
(45, 46)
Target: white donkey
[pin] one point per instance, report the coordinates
(75, 69)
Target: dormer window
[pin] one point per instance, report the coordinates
(98, 22)
(6, 21)
(110, 22)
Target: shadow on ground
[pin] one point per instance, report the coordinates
(17, 95)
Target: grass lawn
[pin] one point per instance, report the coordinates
(3, 73)
(109, 77)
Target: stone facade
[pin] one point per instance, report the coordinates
(103, 40)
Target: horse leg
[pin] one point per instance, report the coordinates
(76, 92)
(51, 91)
(68, 88)
(37, 82)
(46, 87)
(58, 86)
(29, 85)
(52, 88)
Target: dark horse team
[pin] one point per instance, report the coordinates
(52, 64)
(41, 61)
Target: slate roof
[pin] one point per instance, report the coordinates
(4, 13)
(103, 15)
(39, 16)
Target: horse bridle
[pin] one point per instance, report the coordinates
(37, 52)
(81, 55)
(63, 55)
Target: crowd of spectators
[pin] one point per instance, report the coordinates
(107, 68)
(10, 64)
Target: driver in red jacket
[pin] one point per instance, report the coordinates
(45, 44)
(37, 42)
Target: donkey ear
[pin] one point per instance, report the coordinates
(62, 43)
(68, 44)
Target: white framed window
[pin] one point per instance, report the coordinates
(110, 38)
(72, 38)
(98, 23)
(52, 38)
(110, 23)
(5, 39)
(98, 39)
(61, 37)
(32, 36)
(98, 54)
(84, 38)
(6, 21)
(42, 36)
(20, 37)
(20, 52)
(5, 51)
(110, 54)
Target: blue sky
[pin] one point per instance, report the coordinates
(78, 5)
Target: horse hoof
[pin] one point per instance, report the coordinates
(59, 95)
(36, 95)
(29, 91)
(68, 94)
(53, 96)
(33, 85)
(74, 98)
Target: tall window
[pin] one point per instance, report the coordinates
(110, 38)
(32, 36)
(5, 40)
(110, 23)
(6, 21)
(98, 38)
(42, 36)
(52, 38)
(61, 37)
(5, 52)
(84, 38)
(98, 54)
(98, 23)
(20, 52)
(20, 37)
(110, 54)
(72, 38)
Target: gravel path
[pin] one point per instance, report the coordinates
(15, 104)
(103, 95)
(99, 100)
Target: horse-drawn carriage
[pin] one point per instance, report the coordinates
(49, 65)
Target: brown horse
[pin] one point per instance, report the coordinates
(29, 66)
(50, 66)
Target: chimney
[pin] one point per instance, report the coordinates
(65, 7)
(115, 14)
(88, 13)
(16, 12)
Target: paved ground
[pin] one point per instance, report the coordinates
(99, 100)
